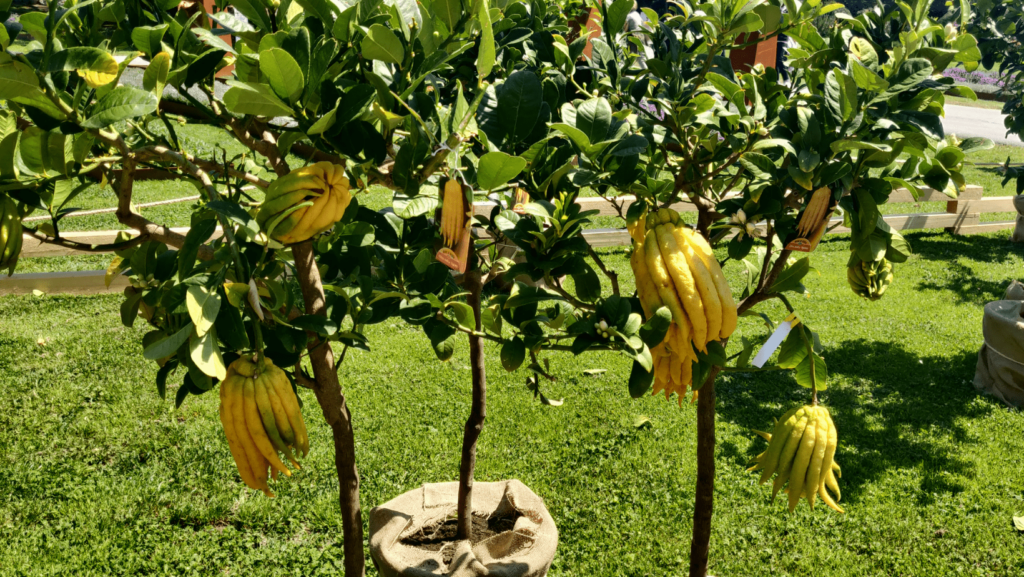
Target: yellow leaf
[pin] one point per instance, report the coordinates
(112, 270)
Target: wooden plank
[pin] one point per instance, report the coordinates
(988, 227)
(911, 221)
(86, 282)
(604, 237)
(903, 195)
(989, 204)
(31, 247)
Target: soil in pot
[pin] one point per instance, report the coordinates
(441, 535)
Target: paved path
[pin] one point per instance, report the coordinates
(966, 121)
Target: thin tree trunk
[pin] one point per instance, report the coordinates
(332, 402)
(477, 413)
(704, 499)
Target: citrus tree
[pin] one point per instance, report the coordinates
(355, 89)
(765, 165)
(328, 98)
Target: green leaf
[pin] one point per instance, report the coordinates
(161, 378)
(235, 213)
(283, 73)
(640, 380)
(420, 205)
(794, 349)
(867, 214)
(231, 328)
(463, 314)
(83, 58)
(864, 52)
(759, 165)
(899, 249)
(867, 79)
(205, 353)
(155, 77)
(729, 89)
(148, 38)
(656, 327)
(574, 134)
(803, 372)
(497, 168)
(840, 95)
(203, 306)
(593, 118)
(853, 144)
(316, 323)
(486, 56)
(976, 144)
(382, 44)
(168, 346)
(790, 278)
(255, 99)
(16, 79)
(618, 11)
(513, 352)
(910, 73)
(121, 103)
(449, 11)
(520, 99)
(199, 233)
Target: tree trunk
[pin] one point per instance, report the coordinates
(477, 413)
(332, 402)
(704, 499)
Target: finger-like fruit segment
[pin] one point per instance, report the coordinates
(807, 437)
(869, 279)
(257, 422)
(10, 234)
(324, 184)
(675, 267)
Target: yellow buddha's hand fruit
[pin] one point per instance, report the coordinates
(675, 267)
(305, 202)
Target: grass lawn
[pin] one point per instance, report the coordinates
(102, 477)
(979, 103)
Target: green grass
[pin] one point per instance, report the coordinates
(979, 103)
(102, 477)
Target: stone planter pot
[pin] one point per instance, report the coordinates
(1018, 231)
(515, 535)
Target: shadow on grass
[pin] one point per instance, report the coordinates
(895, 410)
(962, 281)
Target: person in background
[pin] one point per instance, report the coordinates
(780, 58)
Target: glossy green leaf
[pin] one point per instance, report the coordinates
(168, 346)
(255, 99)
(497, 168)
(382, 44)
(513, 353)
(122, 103)
(283, 73)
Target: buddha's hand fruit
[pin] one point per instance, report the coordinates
(453, 213)
(261, 418)
(815, 213)
(10, 234)
(675, 267)
(305, 202)
(869, 279)
(801, 452)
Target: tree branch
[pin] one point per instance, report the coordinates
(612, 275)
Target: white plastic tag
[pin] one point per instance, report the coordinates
(774, 341)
